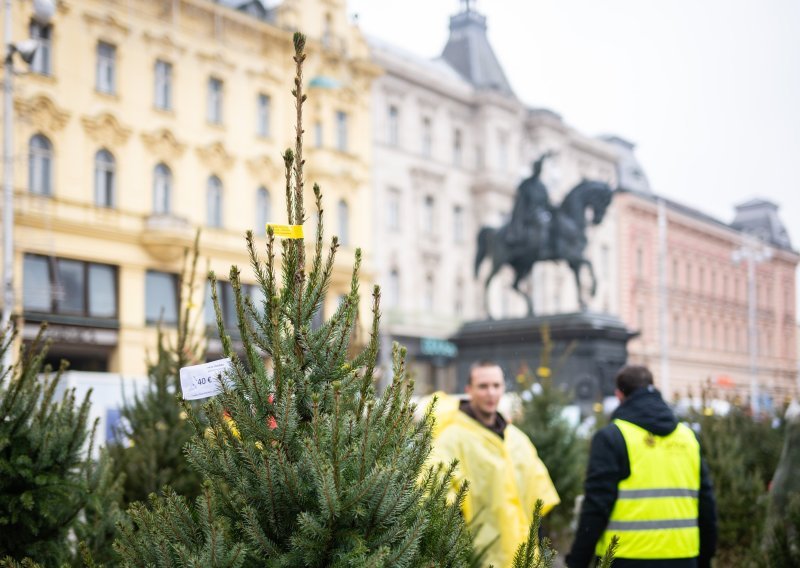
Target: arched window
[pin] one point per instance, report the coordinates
(428, 296)
(214, 202)
(40, 165)
(263, 210)
(344, 223)
(104, 179)
(162, 190)
(394, 289)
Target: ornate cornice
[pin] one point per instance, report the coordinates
(42, 113)
(264, 74)
(106, 130)
(216, 59)
(264, 169)
(163, 144)
(215, 156)
(163, 41)
(107, 24)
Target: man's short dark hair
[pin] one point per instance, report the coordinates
(632, 377)
(479, 365)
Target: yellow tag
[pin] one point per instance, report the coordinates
(286, 231)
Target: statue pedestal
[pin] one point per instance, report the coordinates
(587, 350)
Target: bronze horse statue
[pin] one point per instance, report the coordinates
(564, 239)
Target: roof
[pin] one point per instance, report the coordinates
(256, 8)
(438, 67)
(468, 51)
(760, 217)
(701, 216)
(630, 174)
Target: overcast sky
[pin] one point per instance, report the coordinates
(709, 90)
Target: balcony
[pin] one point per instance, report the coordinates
(166, 236)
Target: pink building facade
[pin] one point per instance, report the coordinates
(704, 329)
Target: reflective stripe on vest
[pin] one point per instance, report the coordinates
(655, 515)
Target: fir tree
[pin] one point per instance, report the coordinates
(304, 465)
(46, 475)
(782, 530)
(557, 441)
(729, 447)
(155, 429)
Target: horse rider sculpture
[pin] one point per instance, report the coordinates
(532, 215)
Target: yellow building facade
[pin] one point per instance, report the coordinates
(143, 120)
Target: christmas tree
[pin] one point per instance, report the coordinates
(557, 441)
(154, 432)
(782, 530)
(740, 455)
(50, 489)
(303, 463)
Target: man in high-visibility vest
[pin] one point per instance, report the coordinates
(648, 484)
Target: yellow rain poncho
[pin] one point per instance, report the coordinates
(506, 477)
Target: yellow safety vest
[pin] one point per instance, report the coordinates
(655, 515)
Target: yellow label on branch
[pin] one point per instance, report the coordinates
(286, 231)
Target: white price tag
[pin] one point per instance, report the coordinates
(203, 381)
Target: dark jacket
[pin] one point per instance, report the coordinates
(609, 464)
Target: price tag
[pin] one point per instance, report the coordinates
(203, 381)
(286, 231)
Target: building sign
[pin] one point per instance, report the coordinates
(73, 334)
(437, 348)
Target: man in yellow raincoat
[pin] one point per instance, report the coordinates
(505, 473)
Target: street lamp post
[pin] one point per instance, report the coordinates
(43, 12)
(753, 252)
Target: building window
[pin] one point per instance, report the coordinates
(318, 135)
(393, 120)
(327, 33)
(502, 151)
(639, 262)
(640, 319)
(428, 296)
(215, 87)
(162, 190)
(458, 224)
(428, 212)
(227, 303)
(675, 273)
(427, 137)
(393, 210)
(163, 94)
(341, 131)
(458, 306)
(458, 147)
(42, 60)
(40, 165)
(104, 179)
(214, 202)
(263, 210)
(69, 287)
(262, 115)
(676, 330)
(701, 279)
(161, 297)
(688, 276)
(394, 289)
(106, 68)
(344, 223)
(688, 339)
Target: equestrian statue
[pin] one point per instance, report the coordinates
(538, 231)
